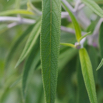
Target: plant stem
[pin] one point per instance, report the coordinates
(16, 19)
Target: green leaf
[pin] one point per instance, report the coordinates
(82, 93)
(11, 12)
(30, 43)
(84, 36)
(16, 82)
(100, 76)
(16, 44)
(33, 8)
(17, 4)
(50, 41)
(75, 23)
(94, 60)
(91, 27)
(68, 44)
(100, 65)
(3, 28)
(30, 66)
(88, 75)
(101, 40)
(92, 5)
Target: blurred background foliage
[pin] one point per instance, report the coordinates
(71, 88)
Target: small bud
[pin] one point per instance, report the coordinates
(77, 45)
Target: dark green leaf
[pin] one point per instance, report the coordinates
(101, 40)
(64, 59)
(29, 67)
(50, 41)
(94, 60)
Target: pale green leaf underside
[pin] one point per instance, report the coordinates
(100, 65)
(92, 5)
(75, 23)
(50, 42)
(30, 43)
(88, 75)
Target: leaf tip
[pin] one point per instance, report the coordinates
(17, 64)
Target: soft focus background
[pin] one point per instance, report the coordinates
(71, 88)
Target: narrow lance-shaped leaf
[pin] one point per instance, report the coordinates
(75, 23)
(92, 5)
(29, 67)
(100, 65)
(30, 43)
(17, 43)
(88, 75)
(11, 12)
(84, 36)
(82, 92)
(17, 4)
(94, 60)
(50, 41)
(3, 28)
(100, 72)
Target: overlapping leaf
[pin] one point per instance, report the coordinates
(30, 43)
(94, 60)
(88, 75)
(75, 23)
(29, 67)
(17, 43)
(92, 5)
(82, 92)
(50, 41)
(100, 65)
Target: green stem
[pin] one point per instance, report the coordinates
(68, 44)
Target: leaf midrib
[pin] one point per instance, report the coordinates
(50, 45)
